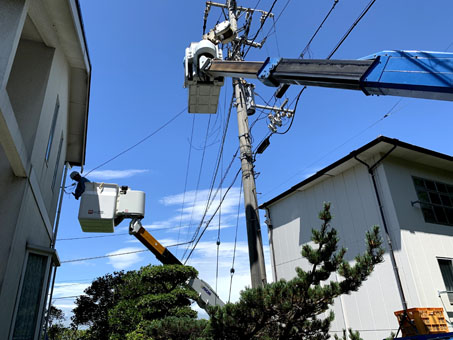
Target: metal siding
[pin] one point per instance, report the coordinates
(421, 243)
(355, 210)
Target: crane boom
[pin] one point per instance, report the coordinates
(206, 294)
(415, 74)
(105, 205)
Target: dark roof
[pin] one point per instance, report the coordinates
(380, 144)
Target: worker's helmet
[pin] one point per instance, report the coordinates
(73, 175)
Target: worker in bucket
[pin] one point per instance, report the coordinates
(80, 188)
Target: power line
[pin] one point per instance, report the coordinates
(260, 28)
(282, 89)
(187, 176)
(213, 215)
(386, 115)
(138, 143)
(88, 237)
(215, 195)
(367, 8)
(104, 256)
(307, 47)
(209, 201)
(65, 297)
(112, 235)
(235, 243)
(272, 30)
(199, 178)
(118, 254)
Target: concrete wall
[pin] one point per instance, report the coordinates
(355, 210)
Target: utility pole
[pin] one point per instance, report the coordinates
(255, 242)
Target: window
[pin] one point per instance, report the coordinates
(446, 269)
(52, 129)
(30, 297)
(57, 162)
(436, 200)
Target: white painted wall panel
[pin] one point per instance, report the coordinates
(354, 208)
(422, 243)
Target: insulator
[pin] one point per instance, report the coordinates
(272, 127)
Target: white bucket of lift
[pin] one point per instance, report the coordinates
(98, 207)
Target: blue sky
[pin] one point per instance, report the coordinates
(137, 50)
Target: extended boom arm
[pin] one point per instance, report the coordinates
(206, 295)
(395, 73)
(415, 74)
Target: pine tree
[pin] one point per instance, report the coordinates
(294, 309)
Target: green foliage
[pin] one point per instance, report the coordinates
(137, 303)
(171, 328)
(154, 302)
(292, 310)
(353, 335)
(152, 293)
(55, 327)
(391, 336)
(92, 308)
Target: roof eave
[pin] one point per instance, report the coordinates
(356, 153)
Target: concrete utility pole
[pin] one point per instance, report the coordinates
(255, 242)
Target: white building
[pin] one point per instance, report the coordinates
(44, 89)
(383, 183)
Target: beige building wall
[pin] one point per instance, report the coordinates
(44, 85)
(417, 245)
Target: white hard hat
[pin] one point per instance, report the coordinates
(73, 174)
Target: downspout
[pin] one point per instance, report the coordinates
(54, 240)
(270, 228)
(384, 222)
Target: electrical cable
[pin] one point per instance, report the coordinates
(104, 256)
(218, 241)
(113, 235)
(112, 255)
(294, 113)
(185, 181)
(276, 37)
(87, 237)
(367, 8)
(215, 194)
(139, 142)
(199, 178)
(221, 147)
(269, 33)
(235, 243)
(220, 213)
(307, 47)
(213, 215)
(386, 115)
(260, 28)
(65, 297)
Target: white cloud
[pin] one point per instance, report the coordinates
(195, 206)
(69, 289)
(124, 261)
(63, 290)
(115, 174)
(204, 260)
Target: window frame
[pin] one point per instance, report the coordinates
(40, 251)
(449, 295)
(434, 212)
(52, 131)
(57, 161)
